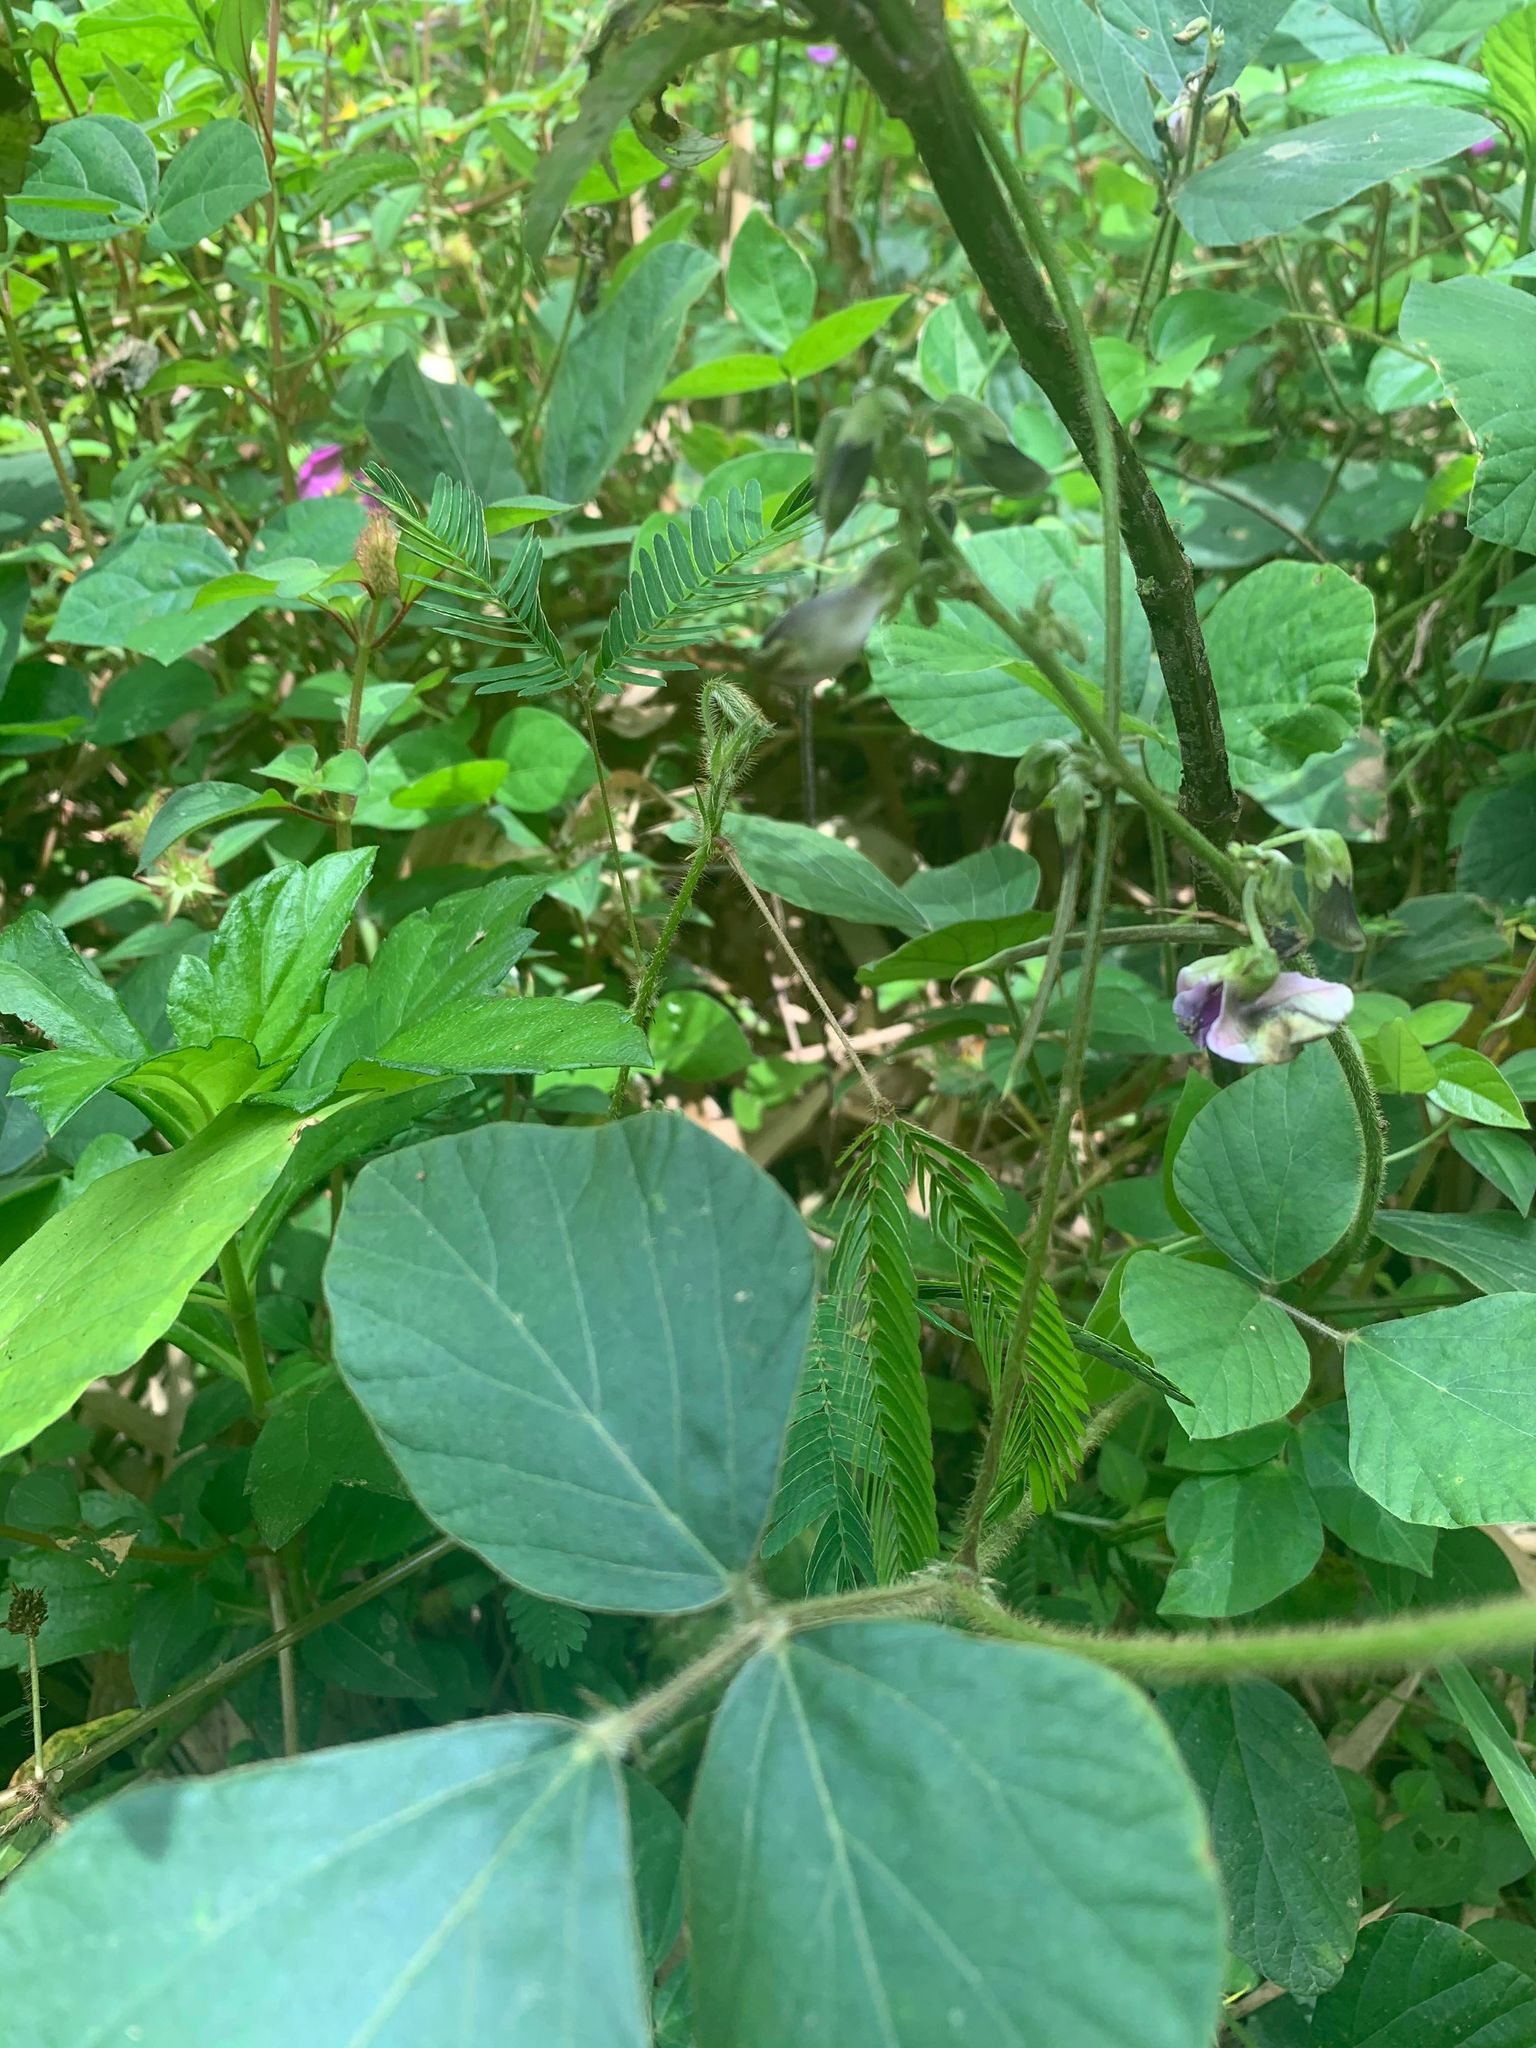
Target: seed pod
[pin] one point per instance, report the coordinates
(844, 460)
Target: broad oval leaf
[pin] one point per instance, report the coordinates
(901, 1836)
(581, 1348)
(420, 1891)
(1269, 187)
(1285, 1837)
(1481, 336)
(771, 287)
(105, 1277)
(88, 180)
(1418, 1983)
(1238, 1357)
(816, 871)
(1442, 1413)
(1271, 1169)
(219, 172)
(839, 334)
(1243, 1539)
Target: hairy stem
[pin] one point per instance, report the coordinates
(908, 59)
(650, 978)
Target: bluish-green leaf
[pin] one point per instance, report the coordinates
(581, 1347)
(207, 182)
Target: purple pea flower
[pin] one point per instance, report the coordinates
(818, 154)
(1483, 148)
(322, 473)
(1240, 1006)
(822, 53)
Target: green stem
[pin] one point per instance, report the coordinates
(28, 384)
(650, 978)
(213, 1684)
(1055, 946)
(773, 125)
(1351, 1059)
(1016, 1362)
(1527, 198)
(1402, 1643)
(35, 1700)
(346, 804)
(242, 1315)
(1130, 779)
(609, 825)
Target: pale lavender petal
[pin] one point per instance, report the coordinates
(822, 53)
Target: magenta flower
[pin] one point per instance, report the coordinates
(322, 473)
(822, 53)
(1239, 1006)
(818, 154)
(1488, 143)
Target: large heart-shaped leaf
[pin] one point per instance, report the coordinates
(581, 1347)
(1481, 335)
(88, 180)
(420, 1892)
(1271, 1168)
(902, 1837)
(220, 171)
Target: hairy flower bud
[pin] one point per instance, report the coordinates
(375, 556)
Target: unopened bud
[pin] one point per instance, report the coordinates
(29, 1610)
(375, 556)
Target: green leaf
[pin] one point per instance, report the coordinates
(546, 1632)
(771, 287)
(996, 882)
(184, 1090)
(1388, 80)
(694, 1038)
(1506, 1766)
(151, 573)
(461, 784)
(1197, 1091)
(1288, 646)
(150, 699)
(961, 684)
(1495, 1251)
(90, 1292)
(635, 69)
(954, 350)
(831, 1448)
(1508, 56)
(872, 1277)
(90, 1610)
(681, 580)
(815, 871)
(726, 376)
(195, 808)
(1242, 1538)
(613, 369)
(87, 180)
(1505, 1160)
(1237, 1356)
(207, 182)
(1284, 1835)
(1399, 1064)
(1442, 1418)
(826, 1912)
(838, 335)
(1272, 1168)
(316, 1439)
(424, 430)
(1269, 187)
(1497, 858)
(549, 763)
(517, 1035)
(1469, 1085)
(55, 1085)
(1481, 336)
(1417, 1983)
(1089, 53)
(581, 1347)
(500, 1845)
(264, 974)
(449, 547)
(47, 984)
(941, 955)
(1323, 1441)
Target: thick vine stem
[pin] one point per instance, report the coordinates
(1400, 1644)
(905, 53)
(1351, 1059)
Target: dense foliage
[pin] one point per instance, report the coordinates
(766, 1261)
